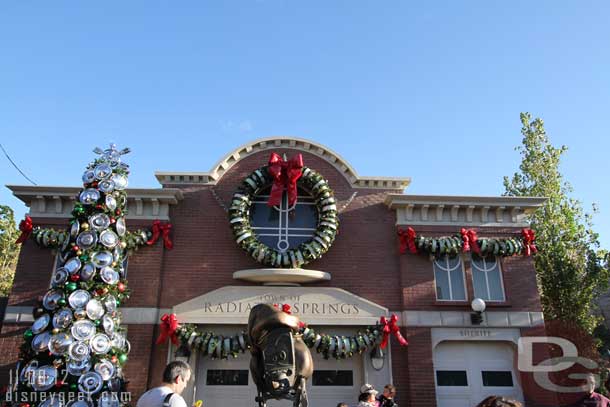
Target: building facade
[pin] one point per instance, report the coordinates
(207, 280)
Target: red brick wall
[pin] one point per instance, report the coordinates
(417, 277)
(364, 260)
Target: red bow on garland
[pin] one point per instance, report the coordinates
(25, 226)
(285, 176)
(390, 327)
(169, 326)
(469, 239)
(407, 239)
(159, 228)
(528, 241)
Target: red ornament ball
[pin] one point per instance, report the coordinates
(75, 248)
(74, 277)
(112, 220)
(120, 287)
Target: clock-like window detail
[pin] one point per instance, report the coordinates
(284, 227)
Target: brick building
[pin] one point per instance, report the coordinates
(208, 280)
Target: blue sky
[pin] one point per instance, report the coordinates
(430, 90)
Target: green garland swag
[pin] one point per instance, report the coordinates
(56, 239)
(326, 228)
(467, 241)
(223, 347)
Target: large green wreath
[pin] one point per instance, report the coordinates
(326, 227)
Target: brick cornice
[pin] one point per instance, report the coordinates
(57, 201)
(462, 210)
(271, 143)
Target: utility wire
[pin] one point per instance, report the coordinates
(15, 165)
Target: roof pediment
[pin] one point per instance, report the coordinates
(271, 143)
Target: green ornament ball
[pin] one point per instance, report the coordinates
(84, 257)
(97, 322)
(61, 302)
(73, 387)
(71, 286)
(122, 358)
(28, 334)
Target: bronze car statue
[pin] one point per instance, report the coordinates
(281, 362)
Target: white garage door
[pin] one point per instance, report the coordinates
(467, 372)
(222, 383)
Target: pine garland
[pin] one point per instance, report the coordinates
(467, 241)
(214, 346)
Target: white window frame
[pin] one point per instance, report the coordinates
(484, 271)
(283, 230)
(448, 270)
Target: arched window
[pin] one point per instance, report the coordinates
(449, 278)
(487, 278)
(283, 227)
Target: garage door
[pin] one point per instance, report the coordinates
(222, 383)
(467, 372)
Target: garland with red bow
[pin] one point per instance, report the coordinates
(161, 229)
(169, 328)
(466, 241)
(390, 327)
(207, 343)
(283, 175)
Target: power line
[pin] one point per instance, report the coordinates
(15, 165)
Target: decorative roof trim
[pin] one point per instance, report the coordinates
(57, 202)
(272, 143)
(507, 211)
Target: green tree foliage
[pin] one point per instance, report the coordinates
(570, 268)
(9, 251)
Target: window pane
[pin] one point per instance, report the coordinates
(333, 378)
(227, 378)
(495, 284)
(442, 284)
(451, 378)
(480, 287)
(497, 378)
(457, 284)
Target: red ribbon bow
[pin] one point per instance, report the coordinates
(25, 226)
(169, 326)
(407, 239)
(159, 228)
(285, 176)
(528, 241)
(469, 240)
(390, 327)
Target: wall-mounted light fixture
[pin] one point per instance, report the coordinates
(478, 306)
(377, 358)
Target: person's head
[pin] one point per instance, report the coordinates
(389, 391)
(177, 374)
(590, 383)
(342, 404)
(367, 393)
(499, 401)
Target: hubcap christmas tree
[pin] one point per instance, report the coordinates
(74, 352)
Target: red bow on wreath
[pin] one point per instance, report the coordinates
(285, 176)
(25, 226)
(159, 228)
(169, 326)
(407, 239)
(390, 327)
(528, 241)
(469, 240)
